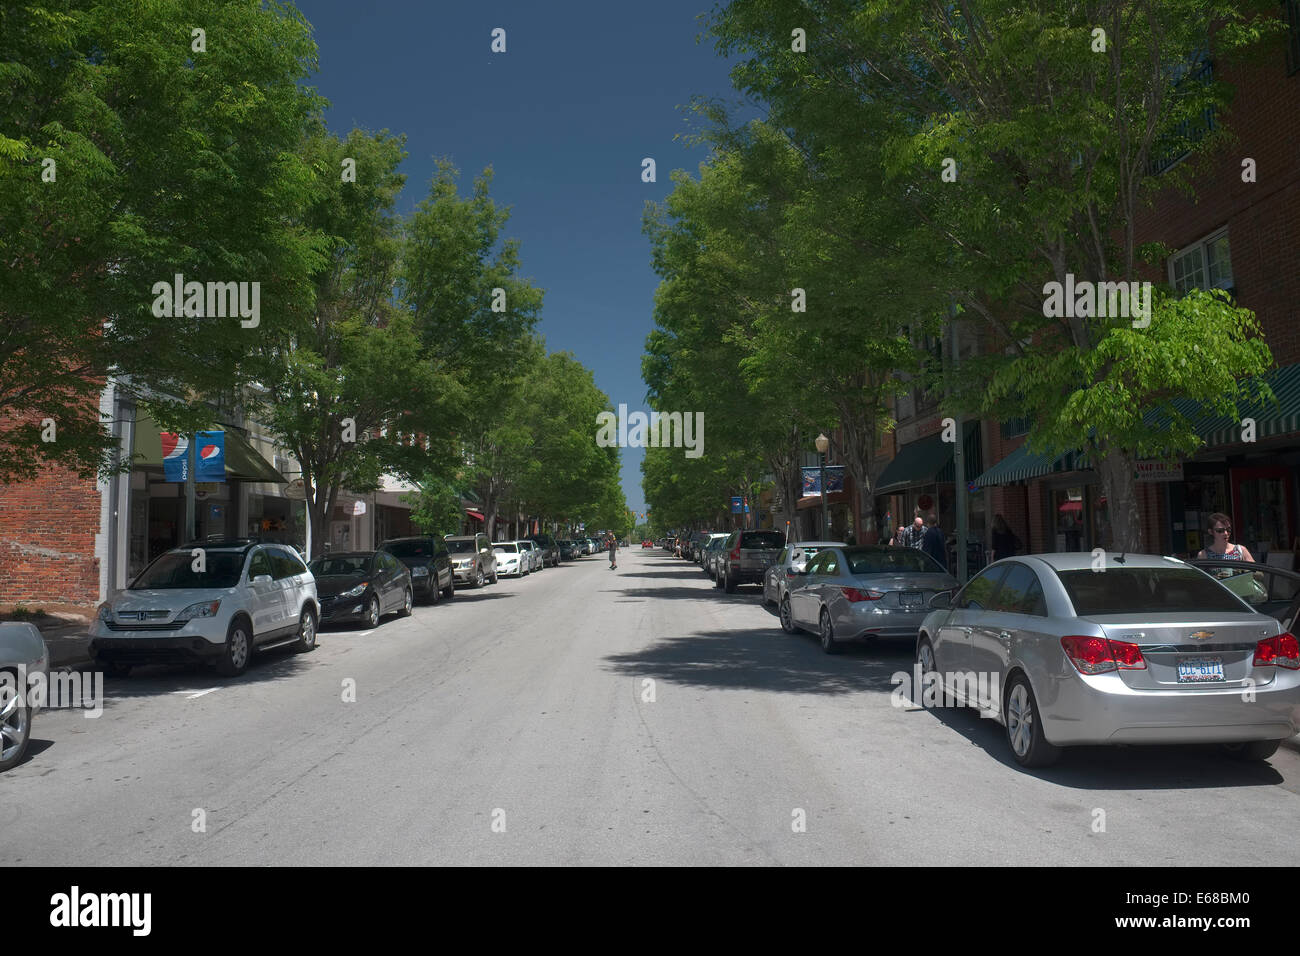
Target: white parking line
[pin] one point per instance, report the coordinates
(364, 633)
(192, 693)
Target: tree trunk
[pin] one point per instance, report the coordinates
(1116, 468)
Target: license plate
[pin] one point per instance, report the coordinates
(1198, 670)
(909, 598)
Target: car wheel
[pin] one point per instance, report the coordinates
(307, 631)
(766, 599)
(827, 634)
(450, 592)
(408, 603)
(1253, 750)
(233, 660)
(728, 585)
(478, 577)
(787, 619)
(495, 576)
(925, 659)
(435, 592)
(372, 612)
(1025, 729)
(15, 728)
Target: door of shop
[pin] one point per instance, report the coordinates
(1263, 508)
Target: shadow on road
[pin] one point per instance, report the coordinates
(761, 660)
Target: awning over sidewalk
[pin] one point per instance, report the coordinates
(928, 461)
(1022, 465)
(242, 459)
(1271, 420)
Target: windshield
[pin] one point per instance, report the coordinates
(507, 548)
(329, 567)
(462, 546)
(897, 561)
(1147, 590)
(416, 548)
(762, 539)
(176, 570)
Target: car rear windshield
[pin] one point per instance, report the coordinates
(1147, 590)
(327, 567)
(175, 569)
(762, 539)
(462, 546)
(892, 561)
(508, 547)
(415, 548)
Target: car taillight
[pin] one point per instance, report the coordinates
(1283, 650)
(735, 554)
(855, 595)
(1097, 655)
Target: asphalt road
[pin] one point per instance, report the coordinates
(589, 716)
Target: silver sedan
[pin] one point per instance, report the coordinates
(1139, 650)
(847, 594)
(24, 668)
(792, 559)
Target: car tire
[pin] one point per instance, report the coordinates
(1253, 750)
(373, 612)
(1025, 728)
(15, 729)
(787, 618)
(766, 600)
(496, 576)
(450, 591)
(925, 660)
(306, 632)
(478, 577)
(435, 592)
(826, 634)
(728, 585)
(408, 603)
(237, 650)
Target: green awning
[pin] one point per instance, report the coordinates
(928, 461)
(242, 459)
(1022, 464)
(1271, 419)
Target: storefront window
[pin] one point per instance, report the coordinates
(1067, 510)
(1264, 523)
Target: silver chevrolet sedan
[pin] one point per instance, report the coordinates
(848, 593)
(1068, 649)
(793, 558)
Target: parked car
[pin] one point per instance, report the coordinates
(534, 554)
(569, 549)
(1149, 650)
(25, 666)
(851, 593)
(646, 544)
(550, 550)
(792, 559)
(1269, 590)
(361, 586)
(511, 561)
(746, 558)
(429, 561)
(215, 608)
(709, 554)
(472, 560)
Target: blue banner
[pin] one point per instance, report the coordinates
(210, 462)
(812, 480)
(176, 455)
(735, 506)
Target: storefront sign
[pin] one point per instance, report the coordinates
(812, 480)
(1159, 471)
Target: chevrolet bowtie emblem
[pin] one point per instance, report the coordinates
(1202, 635)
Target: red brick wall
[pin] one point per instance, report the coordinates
(1263, 217)
(47, 540)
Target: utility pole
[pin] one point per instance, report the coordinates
(958, 457)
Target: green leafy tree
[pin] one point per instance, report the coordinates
(127, 157)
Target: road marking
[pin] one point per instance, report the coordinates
(364, 633)
(193, 693)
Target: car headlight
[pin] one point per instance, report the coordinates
(202, 609)
(105, 612)
(357, 591)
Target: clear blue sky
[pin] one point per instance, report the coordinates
(564, 117)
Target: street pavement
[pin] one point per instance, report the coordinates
(589, 716)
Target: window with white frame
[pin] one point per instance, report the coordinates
(1203, 265)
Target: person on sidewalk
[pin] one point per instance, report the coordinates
(915, 534)
(934, 542)
(1005, 543)
(613, 551)
(1220, 546)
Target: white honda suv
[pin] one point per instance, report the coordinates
(214, 602)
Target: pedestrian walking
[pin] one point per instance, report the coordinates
(613, 551)
(934, 542)
(915, 533)
(899, 540)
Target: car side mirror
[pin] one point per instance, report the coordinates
(261, 579)
(941, 601)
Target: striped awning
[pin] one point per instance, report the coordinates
(928, 461)
(1272, 419)
(1023, 464)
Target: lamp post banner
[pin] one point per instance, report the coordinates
(812, 480)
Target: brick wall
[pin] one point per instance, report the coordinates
(47, 540)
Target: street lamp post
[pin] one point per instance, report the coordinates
(823, 443)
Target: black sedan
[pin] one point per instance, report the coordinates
(361, 587)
